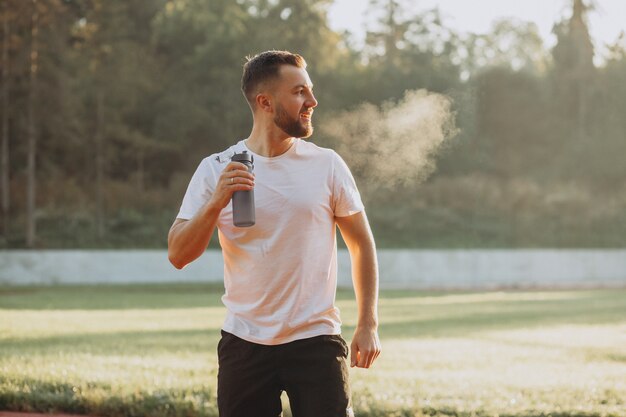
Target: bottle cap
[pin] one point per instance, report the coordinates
(243, 157)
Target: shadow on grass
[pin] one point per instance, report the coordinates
(397, 322)
(30, 395)
(118, 343)
(448, 316)
(449, 320)
(111, 297)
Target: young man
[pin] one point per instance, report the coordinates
(282, 329)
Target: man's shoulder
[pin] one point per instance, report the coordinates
(213, 164)
(222, 158)
(313, 149)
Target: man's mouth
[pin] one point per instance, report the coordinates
(306, 115)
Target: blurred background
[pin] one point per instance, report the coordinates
(108, 107)
(487, 138)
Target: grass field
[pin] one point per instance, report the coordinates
(151, 351)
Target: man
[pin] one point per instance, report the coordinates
(282, 329)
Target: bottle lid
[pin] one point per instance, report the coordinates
(243, 157)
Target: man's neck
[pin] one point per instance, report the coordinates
(269, 142)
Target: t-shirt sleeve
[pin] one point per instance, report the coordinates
(199, 190)
(346, 196)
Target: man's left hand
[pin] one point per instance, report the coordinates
(365, 347)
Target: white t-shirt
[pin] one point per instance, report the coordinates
(280, 275)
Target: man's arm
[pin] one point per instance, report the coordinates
(188, 239)
(357, 234)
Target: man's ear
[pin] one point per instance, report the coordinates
(264, 102)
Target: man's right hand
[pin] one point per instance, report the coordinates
(188, 239)
(235, 177)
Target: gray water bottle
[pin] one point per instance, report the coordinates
(243, 201)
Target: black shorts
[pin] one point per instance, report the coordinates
(313, 372)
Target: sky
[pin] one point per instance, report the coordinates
(605, 23)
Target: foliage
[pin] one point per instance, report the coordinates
(131, 96)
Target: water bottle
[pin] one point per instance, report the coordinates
(243, 201)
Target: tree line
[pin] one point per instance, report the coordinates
(107, 107)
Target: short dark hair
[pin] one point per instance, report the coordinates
(265, 67)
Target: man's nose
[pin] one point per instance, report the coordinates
(311, 101)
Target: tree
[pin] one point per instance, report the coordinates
(510, 43)
(33, 96)
(388, 38)
(6, 85)
(200, 45)
(604, 161)
(408, 50)
(574, 71)
(115, 55)
(511, 126)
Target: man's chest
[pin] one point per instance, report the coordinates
(288, 197)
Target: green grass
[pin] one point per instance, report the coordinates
(151, 351)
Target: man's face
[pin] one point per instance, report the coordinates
(294, 102)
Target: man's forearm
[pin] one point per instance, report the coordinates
(365, 280)
(188, 240)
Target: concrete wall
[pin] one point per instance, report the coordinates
(419, 269)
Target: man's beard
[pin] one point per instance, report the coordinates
(293, 127)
